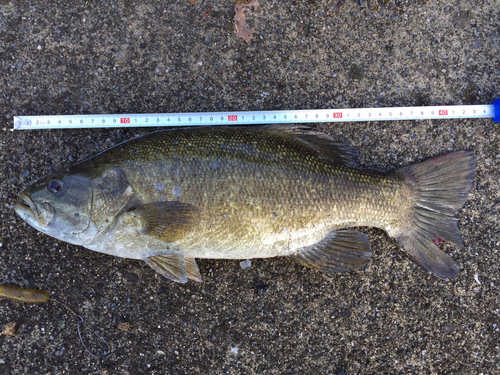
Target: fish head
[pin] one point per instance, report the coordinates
(59, 206)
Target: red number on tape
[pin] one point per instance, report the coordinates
(124, 120)
(232, 118)
(337, 114)
(443, 112)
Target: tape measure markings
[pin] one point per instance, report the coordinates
(256, 117)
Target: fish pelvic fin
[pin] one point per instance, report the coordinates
(439, 188)
(340, 251)
(172, 266)
(192, 270)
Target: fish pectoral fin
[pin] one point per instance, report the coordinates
(341, 251)
(172, 266)
(192, 270)
(167, 221)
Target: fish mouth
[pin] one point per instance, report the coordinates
(26, 208)
(38, 214)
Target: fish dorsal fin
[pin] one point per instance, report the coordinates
(110, 194)
(340, 251)
(167, 221)
(192, 270)
(325, 146)
(172, 266)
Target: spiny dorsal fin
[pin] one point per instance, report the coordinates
(327, 148)
(167, 221)
(172, 266)
(340, 251)
(192, 270)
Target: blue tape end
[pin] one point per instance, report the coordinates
(496, 110)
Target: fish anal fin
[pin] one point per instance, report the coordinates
(340, 251)
(172, 266)
(192, 270)
(167, 221)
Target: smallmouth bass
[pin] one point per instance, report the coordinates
(172, 196)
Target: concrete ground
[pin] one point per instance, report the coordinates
(77, 56)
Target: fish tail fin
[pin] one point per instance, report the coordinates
(439, 188)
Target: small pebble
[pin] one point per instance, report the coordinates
(10, 329)
(476, 277)
(477, 44)
(246, 264)
(123, 326)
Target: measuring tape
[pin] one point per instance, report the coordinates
(258, 117)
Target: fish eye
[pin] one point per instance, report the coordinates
(54, 186)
